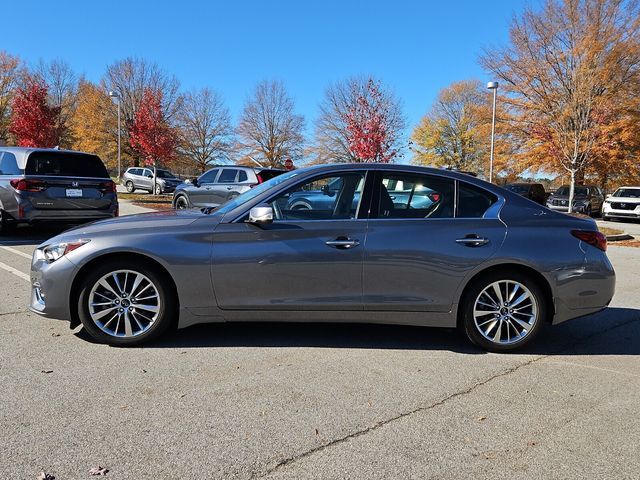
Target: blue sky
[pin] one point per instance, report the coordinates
(415, 47)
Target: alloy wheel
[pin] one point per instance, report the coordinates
(181, 203)
(505, 312)
(124, 303)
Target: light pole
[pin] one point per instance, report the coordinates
(117, 95)
(492, 86)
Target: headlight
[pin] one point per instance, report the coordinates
(51, 253)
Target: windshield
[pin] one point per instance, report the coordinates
(254, 192)
(627, 192)
(518, 188)
(164, 174)
(565, 191)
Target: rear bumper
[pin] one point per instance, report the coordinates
(26, 213)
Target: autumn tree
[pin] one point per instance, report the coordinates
(92, 126)
(130, 79)
(452, 134)
(62, 83)
(150, 134)
(33, 121)
(567, 65)
(269, 129)
(349, 109)
(204, 128)
(10, 69)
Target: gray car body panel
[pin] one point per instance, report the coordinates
(228, 270)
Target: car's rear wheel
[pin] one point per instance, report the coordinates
(124, 303)
(181, 202)
(130, 187)
(503, 311)
(6, 225)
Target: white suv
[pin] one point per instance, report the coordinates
(624, 203)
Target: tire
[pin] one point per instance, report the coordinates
(181, 203)
(588, 212)
(158, 189)
(130, 187)
(145, 321)
(506, 320)
(7, 227)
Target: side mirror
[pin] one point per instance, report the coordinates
(327, 191)
(150, 175)
(194, 182)
(609, 196)
(261, 214)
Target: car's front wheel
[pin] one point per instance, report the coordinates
(124, 303)
(503, 311)
(158, 189)
(181, 203)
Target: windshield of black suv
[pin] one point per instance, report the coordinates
(565, 191)
(164, 174)
(65, 164)
(254, 192)
(627, 192)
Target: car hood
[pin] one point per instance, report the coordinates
(623, 199)
(140, 223)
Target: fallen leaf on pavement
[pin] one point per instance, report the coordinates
(98, 471)
(482, 418)
(54, 334)
(46, 371)
(317, 432)
(45, 476)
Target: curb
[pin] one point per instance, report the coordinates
(619, 237)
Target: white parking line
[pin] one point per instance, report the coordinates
(17, 252)
(17, 273)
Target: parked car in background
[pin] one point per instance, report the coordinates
(587, 199)
(48, 185)
(141, 178)
(623, 203)
(219, 185)
(532, 191)
(469, 254)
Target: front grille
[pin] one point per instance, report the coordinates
(623, 206)
(559, 203)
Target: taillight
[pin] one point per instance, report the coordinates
(108, 187)
(594, 238)
(23, 185)
(260, 180)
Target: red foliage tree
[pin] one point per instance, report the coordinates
(150, 134)
(33, 121)
(368, 122)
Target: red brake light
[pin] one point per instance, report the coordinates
(108, 187)
(596, 239)
(260, 180)
(23, 185)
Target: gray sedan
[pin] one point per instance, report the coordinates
(476, 256)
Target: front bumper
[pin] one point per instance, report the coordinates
(565, 208)
(51, 287)
(613, 212)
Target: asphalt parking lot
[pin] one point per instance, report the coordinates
(318, 401)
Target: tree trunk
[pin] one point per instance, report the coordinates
(572, 187)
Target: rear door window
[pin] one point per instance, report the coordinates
(242, 176)
(8, 164)
(228, 175)
(65, 164)
(473, 202)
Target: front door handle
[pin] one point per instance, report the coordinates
(472, 241)
(229, 188)
(342, 243)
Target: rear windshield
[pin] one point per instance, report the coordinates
(265, 175)
(65, 164)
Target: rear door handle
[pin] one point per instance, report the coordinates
(472, 241)
(342, 243)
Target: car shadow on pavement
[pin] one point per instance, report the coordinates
(614, 331)
(32, 234)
